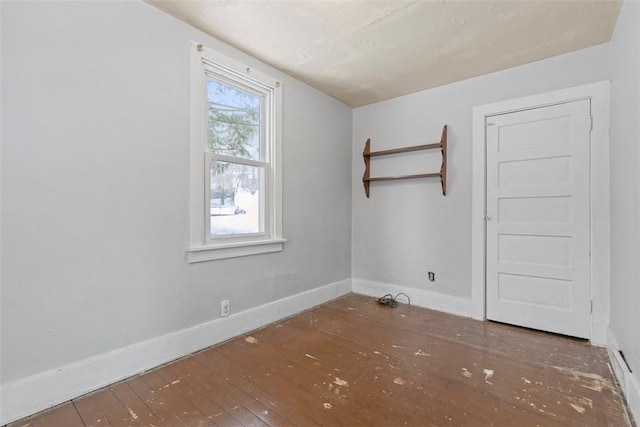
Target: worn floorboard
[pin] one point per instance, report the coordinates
(352, 362)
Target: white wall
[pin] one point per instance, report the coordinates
(95, 190)
(407, 227)
(625, 183)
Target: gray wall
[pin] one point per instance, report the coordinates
(625, 183)
(407, 227)
(95, 192)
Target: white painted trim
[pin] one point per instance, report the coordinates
(234, 250)
(629, 383)
(41, 391)
(419, 298)
(598, 93)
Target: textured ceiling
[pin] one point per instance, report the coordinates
(362, 52)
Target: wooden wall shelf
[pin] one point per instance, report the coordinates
(442, 145)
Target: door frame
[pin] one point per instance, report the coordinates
(599, 209)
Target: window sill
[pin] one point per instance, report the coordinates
(234, 250)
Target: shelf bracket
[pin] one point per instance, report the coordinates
(367, 161)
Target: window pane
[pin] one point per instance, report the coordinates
(233, 121)
(236, 204)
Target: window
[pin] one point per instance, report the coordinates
(236, 200)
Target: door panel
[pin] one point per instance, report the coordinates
(538, 218)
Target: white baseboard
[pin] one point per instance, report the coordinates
(629, 382)
(420, 298)
(41, 391)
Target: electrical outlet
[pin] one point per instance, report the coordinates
(432, 276)
(225, 308)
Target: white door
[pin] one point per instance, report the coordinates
(538, 236)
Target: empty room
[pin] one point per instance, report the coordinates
(320, 213)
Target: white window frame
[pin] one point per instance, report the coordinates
(203, 247)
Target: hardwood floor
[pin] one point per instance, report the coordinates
(353, 362)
